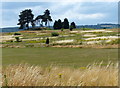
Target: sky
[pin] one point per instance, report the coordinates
(82, 13)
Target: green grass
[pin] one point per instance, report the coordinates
(73, 57)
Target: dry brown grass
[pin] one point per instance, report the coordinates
(88, 46)
(92, 75)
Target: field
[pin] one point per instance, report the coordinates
(74, 57)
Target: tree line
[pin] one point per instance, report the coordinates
(26, 18)
(65, 24)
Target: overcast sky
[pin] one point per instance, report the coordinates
(79, 12)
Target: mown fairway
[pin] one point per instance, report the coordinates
(73, 57)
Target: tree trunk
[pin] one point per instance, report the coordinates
(27, 25)
(48, 24)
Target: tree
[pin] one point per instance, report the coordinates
(55, 26)
(59, 24)
(46, 18)
(66, 24)
(33, 24)
(47, 41)
(63, 25)
(73, 25)
(25, 18)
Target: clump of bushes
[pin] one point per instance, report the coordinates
(54, 34)
(17, 33)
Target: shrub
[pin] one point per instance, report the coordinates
(62, 29)
(47, 41)
(17, 39)
(17, 33)
(55, 34)
(71, 27)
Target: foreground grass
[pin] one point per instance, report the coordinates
(91, 75)
(68, 57)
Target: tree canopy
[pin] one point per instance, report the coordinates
(55, 25)
(66, 24)
(73, 25)
(25, 18)
(46, 18)
(59, 24)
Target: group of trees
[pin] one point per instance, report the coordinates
(65, 24)
(26, 18)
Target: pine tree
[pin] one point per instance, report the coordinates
(25, 18)
(66, 24)
(55, 26)
(73, 24)
(59, 24)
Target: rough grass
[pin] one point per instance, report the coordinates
(27, 37)
(91, 75)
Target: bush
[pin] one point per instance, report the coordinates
(17, 39)
(17, 33)
(47, 41)
(62, 29)
(55, 34)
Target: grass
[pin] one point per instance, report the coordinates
(71, 57)
(27, 75)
